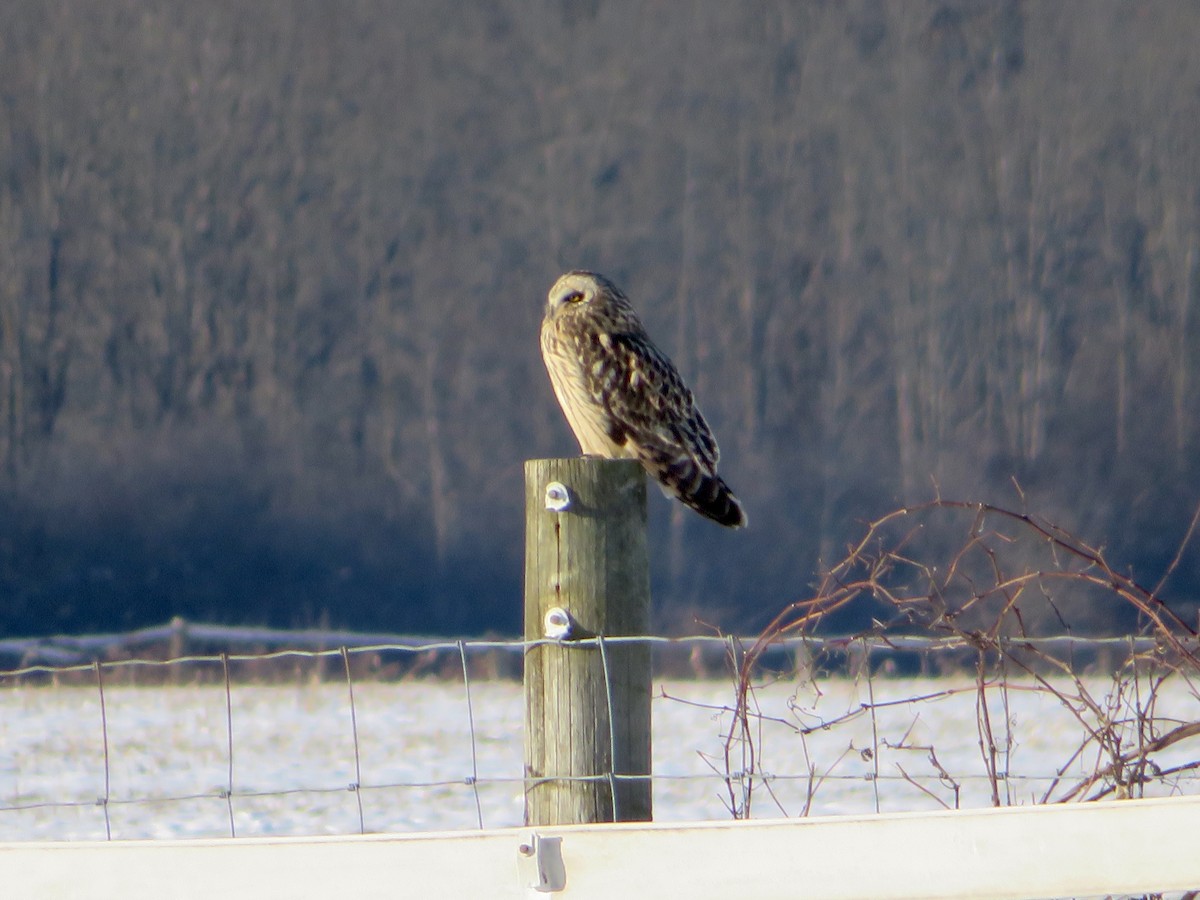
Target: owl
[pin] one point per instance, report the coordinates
(624, 399)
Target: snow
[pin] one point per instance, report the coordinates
(294, 762)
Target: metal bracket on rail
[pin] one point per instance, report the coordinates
(540, 864)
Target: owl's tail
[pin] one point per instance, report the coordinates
(717, 501)
(703, 491)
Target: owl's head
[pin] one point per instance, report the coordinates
(582, 293)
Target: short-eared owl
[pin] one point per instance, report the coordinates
(623, 398)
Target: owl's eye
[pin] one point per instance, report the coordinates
(573, 297)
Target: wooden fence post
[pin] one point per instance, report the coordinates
(586, 579)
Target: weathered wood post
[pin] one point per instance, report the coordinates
(586, 578)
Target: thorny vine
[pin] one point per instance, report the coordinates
(1012, 578)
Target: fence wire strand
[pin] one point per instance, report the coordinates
(228, 792)
(104, 801)
(612, 713)
(474, 776)
(357, 785)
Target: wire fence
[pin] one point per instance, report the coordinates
(159, 735)
(953, 697)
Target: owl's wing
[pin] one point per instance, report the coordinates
(648, 404)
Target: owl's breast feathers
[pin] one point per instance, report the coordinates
(576, 367)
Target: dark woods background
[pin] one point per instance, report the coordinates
(271, 276)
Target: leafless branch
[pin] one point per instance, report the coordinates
(1012, 576)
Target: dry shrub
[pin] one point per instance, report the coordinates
(1000, 604)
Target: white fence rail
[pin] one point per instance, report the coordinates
(1076, 850)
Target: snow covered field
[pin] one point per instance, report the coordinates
(293, 754)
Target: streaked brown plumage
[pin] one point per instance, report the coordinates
(623, 398)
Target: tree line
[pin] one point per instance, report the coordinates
(271, 278)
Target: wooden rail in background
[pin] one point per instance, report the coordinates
(587, 707)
